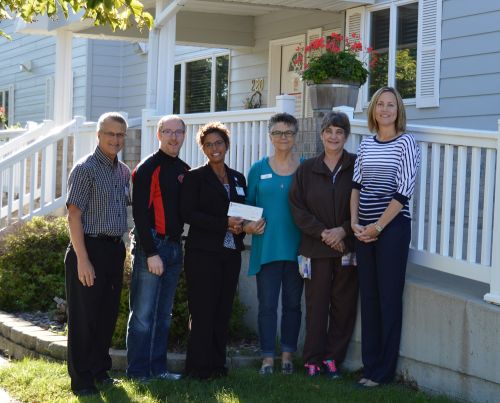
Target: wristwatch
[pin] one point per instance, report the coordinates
(378, 227)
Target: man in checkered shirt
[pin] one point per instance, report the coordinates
(98, 195)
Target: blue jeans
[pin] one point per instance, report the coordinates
(271, 278)
(151, 300)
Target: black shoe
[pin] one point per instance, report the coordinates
(85, 392)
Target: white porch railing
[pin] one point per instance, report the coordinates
(12, 141)
(249, 139)
(34, 179)
(454, 210)
(454, 221)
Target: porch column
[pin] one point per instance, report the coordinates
(63, 86)
(166, 68)
(494, 295)
(152, 72)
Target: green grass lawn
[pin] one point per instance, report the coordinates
(33, 380)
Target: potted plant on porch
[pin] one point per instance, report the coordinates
(332, 70)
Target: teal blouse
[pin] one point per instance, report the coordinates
(281, 238)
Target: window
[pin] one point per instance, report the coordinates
(396, 47)
(4, 107)
(202, 85)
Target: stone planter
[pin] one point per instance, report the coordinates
(333, 93)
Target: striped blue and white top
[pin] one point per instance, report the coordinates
(384, 171)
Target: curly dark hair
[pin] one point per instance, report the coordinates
(212, 127)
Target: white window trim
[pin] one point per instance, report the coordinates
(10, 112)
(391, 79)
(201, 55)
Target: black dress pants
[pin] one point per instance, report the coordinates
(92, 311)
(211, 279)
(382, 269)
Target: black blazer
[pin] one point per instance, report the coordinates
(204, 206)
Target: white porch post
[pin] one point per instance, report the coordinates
(494, 295)
(166, 55)
(152, 73)
(63, 87)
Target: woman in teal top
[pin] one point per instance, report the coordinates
(275, 243)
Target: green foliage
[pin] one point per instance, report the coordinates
(31, 264)
(406, 72)
(180, 316)
(32, 274)
(120, 333)
(335, 57)
(119, 14)
(341, 65)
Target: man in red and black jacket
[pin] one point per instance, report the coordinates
(157, 252)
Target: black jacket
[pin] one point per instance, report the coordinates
(157, 182)
(204, 206)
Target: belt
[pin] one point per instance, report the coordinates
(108, 238)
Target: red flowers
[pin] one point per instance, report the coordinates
(333, 57)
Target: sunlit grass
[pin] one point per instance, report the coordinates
(33, 380)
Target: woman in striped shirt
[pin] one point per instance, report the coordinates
(383, 182)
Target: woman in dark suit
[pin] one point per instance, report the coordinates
(213, 252)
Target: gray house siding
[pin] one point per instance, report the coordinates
(133, 80)
(105, 77)
(29, 87)
(80, 76)
(470, 68)
(250, 64)
(32, 90)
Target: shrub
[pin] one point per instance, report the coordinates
(180, 316)
(31, 264)
(32, 274)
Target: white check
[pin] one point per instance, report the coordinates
(250, 213)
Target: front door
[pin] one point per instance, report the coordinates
(290, 82)
(282, 77)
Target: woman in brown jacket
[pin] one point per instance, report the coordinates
(319, 199)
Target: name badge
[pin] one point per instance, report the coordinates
(266, 176)
(240, 191)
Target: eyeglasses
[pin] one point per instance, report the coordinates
(279, 133)
(119, 136)
(168, 132)
(217, 144)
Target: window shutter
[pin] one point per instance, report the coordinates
(355, 24)
(312, 34)
(428, 53)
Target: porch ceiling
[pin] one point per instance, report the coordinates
(262, 7)
(242, 10)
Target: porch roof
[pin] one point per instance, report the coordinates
(209, 13)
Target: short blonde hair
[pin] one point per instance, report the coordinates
(212, 127)
(400, 122)
(166, 118)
